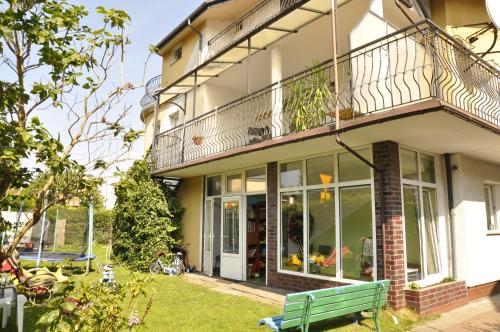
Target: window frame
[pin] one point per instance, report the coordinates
(493, 208)
(174, 57)
(336, 186)
(426, 278)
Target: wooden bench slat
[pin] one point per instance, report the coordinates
(334, 291)
(369, 301)
(329, 299)
(337, 313)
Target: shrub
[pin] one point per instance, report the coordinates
(95, 308)
(414, 286)
(146, 220)
(447, 280)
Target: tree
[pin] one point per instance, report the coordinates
(147, 218)
(53, 63)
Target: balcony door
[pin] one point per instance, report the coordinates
(231, 265)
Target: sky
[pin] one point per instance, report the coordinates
(151, 20)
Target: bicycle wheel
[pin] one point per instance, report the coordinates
(155, 268)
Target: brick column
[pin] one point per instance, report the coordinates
(272, 223)
(389, 220)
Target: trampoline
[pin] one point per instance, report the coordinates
(49, 256)
(59, 235)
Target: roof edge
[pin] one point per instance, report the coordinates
(193, 16)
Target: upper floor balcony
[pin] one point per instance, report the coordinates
(411, 65)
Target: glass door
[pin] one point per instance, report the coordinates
(231, 242)
(208, 238)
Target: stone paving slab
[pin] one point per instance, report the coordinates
(256, 292)
(477, 316)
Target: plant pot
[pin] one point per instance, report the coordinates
(197, 140)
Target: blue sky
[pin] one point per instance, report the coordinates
(151, 21)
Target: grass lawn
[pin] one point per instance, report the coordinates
(182, 306)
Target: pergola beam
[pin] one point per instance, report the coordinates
(281, 30)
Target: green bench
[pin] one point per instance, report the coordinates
(304, 308)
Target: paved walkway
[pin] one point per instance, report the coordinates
(259, 293)
(478, 316)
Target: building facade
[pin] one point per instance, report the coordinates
(316, 151)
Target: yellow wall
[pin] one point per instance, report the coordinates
(172, 72)
(190, 194)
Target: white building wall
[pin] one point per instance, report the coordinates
(476, 249)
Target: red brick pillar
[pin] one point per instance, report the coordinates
(272, 224)
(389, 220)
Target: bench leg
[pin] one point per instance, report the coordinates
(375, 319)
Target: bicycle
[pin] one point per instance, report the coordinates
(174, 269)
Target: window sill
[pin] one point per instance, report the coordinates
(492, 233)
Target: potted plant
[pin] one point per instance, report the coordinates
(197, 140)
(309, 98)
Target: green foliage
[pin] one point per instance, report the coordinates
(414, 286)
(48, 52)
(147, 218)
(309, 99)
(98, 308)
(447, 280)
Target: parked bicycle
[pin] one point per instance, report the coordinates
(175, 268)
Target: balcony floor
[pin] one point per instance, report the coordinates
(427, 125)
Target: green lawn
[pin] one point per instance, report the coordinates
(182, 306)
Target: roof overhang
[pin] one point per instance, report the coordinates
(191, 18)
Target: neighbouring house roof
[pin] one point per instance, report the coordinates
(193, 16)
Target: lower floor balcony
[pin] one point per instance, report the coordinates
(397, 73)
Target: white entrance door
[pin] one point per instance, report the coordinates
(208, 237)
(231, 241)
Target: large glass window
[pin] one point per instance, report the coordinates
(214, 185)
(255, 180)
(291, 174)
(292, 231)
(420, 215)
(412, 232)
(334, 216)
(322, 251)
(351, 168)
(489, 201)
(409, 164)
(357, 240)
(429, 201)
(233, 183)
(427, 168)
(320, 170)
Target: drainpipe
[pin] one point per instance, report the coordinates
(337, 120)
(200, 48)
(451, 207)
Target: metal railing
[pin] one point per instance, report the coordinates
(152, 86)
(414, 64)
(252, 21)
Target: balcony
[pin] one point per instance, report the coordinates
(260, 16)
(414, 64)
(148, 101)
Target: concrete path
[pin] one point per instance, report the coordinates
(259, 293)
(478, 316)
